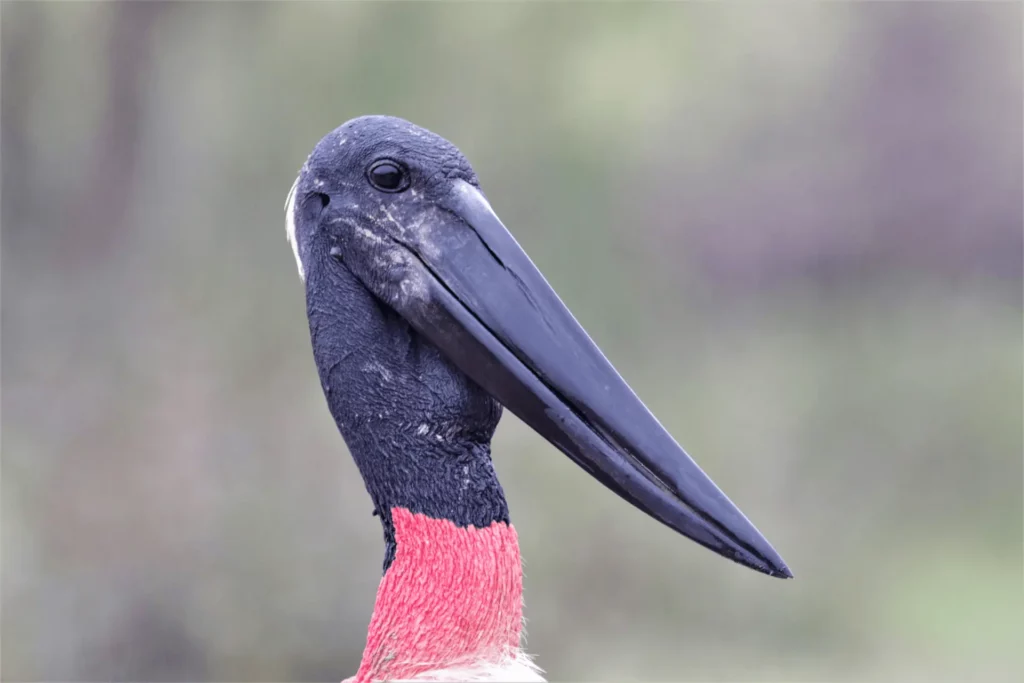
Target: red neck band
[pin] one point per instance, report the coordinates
(452, 596)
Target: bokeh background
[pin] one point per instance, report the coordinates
(795, 229)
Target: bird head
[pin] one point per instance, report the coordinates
(401, 252)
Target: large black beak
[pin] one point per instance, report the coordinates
(486, 306)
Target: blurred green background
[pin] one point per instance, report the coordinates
(795, 229)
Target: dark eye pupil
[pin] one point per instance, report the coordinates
(386, 176)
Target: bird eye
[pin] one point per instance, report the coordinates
(387, 176)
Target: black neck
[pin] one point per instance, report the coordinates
(452, 480)
(418, 429)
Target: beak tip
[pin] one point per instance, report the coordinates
(764, 558)
(777, 567)
(783, 572)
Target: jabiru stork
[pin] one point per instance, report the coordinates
(426, 317)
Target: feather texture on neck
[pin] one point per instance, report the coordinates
(450, 606)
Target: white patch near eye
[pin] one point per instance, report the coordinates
(289, 226)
